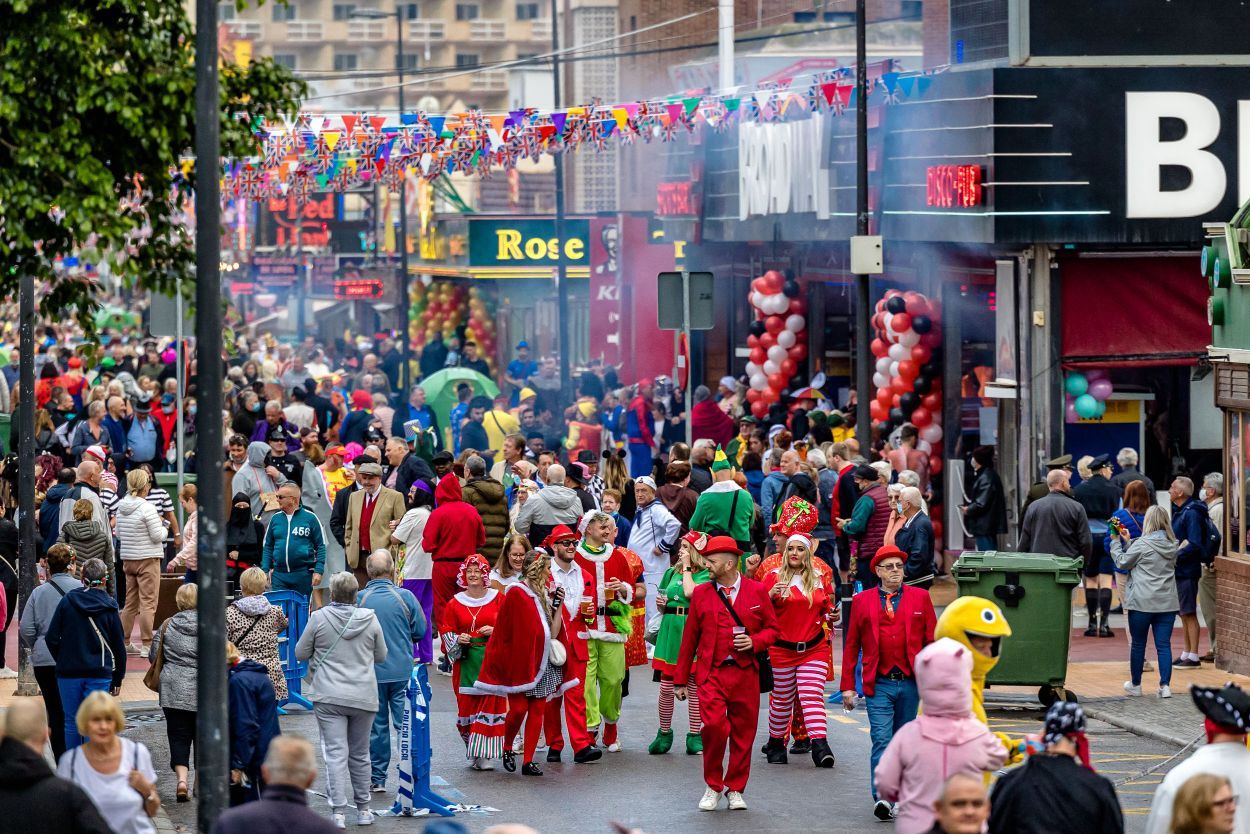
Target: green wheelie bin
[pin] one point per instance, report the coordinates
(1034, 591)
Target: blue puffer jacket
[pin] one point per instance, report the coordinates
(253, 717)
(294, 544)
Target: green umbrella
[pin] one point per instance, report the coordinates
(116, 318)
(440, 390)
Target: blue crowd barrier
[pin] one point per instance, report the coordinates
(294, 607)
(415, 752)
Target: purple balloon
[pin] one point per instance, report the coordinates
(1070, 412)
(1095, 374)
(1100, 389)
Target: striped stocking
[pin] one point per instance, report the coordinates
(666, 704)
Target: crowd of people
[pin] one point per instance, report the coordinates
(540, 553)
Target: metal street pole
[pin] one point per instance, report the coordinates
(212, 729)
(25, 567)
(863, 312)
(562, 282)
(180, 446)
(725, 43)
(405, 372)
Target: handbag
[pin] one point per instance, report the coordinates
(268, 500)
(152, 677)
(761, 658)
(557, 655)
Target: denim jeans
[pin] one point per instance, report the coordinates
(1140, 624)
(73, 692)
(390, 710)
(892, 705)
(986, 542)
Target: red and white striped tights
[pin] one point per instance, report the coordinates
(666, 705)
(809, 679)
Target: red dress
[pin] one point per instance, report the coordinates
(465, 615)
(800, 619)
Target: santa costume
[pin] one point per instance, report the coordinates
(466, 615)
(668, 647)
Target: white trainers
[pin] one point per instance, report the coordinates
(1165, 691)
(136, 650)
(480, 763)
(710, 800)
(339, 820)
(736, 801)
(6, 673)
(1132, 690)
(364, 817)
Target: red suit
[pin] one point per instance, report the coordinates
(915, 611)
(574, 698)
(454, 530)
(728, 680)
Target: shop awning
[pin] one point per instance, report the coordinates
(1132, 312)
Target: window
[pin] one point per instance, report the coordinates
(225, 11)
(913, 9)
(343, 11)
(527, 11)
(412, 62)
(468, 11)
(345, 61)
(285, 60)
(411, 11)
(283, 12)
(466, 60)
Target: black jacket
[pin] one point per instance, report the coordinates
(29, 790)
(324, 412)
(1054, 795)
(1129, 474)
(281, 808)
(916, 540)
(803, 486)
(411, 468)
(987, 506)
(473, 436)
(1099, 497)
(700, 478)
(338, 514)
(78, 649)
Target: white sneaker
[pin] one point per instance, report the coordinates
(1132, 690)
(136, 649)
(377, 788)
(364, 817)
(339, 820)
(710, 800)
(480, 763)
(1165, 691)
(736, 801)
(614, 747)
(6, 673)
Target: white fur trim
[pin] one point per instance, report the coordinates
(469, 602)
(496, 689)
(723, 486)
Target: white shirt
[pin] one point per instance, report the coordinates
(506, 582)
(1224, 759)
(653, 524)
(572, 582)
(411, 529)
(119, 804)
(731, 590)
(299, 414)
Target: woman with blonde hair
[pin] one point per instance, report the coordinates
(507, 569)
(615, 476)
(177, 643)
(1150, 597)
(141, 537)
(804, 603)
(89, 540)
(672, 603)
(1205, 804)
(188, 554)
(254, 624)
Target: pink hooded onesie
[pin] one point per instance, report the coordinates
(943, 741)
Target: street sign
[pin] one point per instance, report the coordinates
(163, 316)
(674, 295)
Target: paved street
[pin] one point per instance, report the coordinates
(658, 794)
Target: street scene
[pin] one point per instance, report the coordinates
(512, 417)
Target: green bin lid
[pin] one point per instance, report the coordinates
(976, 561)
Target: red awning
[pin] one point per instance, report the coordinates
(1132, 312)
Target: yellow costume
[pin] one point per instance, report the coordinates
(969, 617)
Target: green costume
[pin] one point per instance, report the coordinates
(673, 625)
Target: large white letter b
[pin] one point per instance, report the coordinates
(1146, 154)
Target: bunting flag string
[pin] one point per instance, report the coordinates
(340, 152)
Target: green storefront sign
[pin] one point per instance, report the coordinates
(527, 242)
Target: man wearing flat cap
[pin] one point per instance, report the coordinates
(1100, 498)
(1226, 715)
(1039, 489)
(373, 511)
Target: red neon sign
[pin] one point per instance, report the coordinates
(953, 185)
(357, 288)
(676, 199)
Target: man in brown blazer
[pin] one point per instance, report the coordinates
(373, 511)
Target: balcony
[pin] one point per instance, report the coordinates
(304, 31)
(366, 30)
(423, 31)
(251, 30)
(487, 30)
(490, 81)
(540, 29)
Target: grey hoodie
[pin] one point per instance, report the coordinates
(551, 505)
(1151, 562)
(252, 479)
(38, 613)
(178, 677)
(340, 669)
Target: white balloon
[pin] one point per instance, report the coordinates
(883, 364)
(795, 322)
(885, 322)
(880, 380)
(757, 300)
(898, 353)
(925, 446)
(786, 339)
(759, 382)
(779, 304)
(931, 433)
(909, 338)
(752, 369)
(771, 367)
(777, 353)
(893, 370)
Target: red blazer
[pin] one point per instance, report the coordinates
(919, 620)
(709, 630)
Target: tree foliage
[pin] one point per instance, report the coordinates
(97, 107)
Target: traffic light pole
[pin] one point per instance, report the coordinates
(863, 284)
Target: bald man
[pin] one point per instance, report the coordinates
(29, 789)
(1057, 523)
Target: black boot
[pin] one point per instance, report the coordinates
(801, 746)
(821, 754)
(1104, 608)
(1091, 608)
(589, 753)
(553, 756)
(775, 750)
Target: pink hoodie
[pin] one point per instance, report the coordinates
(943, 741)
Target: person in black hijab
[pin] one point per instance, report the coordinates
(244, 535)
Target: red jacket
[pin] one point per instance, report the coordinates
(919, 620)
(709, 630)
(708, 421)
(454, 530)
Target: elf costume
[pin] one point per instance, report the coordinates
(605, 631)
(725, 506)
(668, 647)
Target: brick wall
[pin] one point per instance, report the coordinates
(937, 33)
(1233, 605)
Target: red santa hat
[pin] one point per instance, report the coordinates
(802, 538)
(96, 451)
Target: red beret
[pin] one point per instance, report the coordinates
(887, 552)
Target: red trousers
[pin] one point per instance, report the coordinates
(574, 701)
(443, 579)
(530, 710)
(730, 703)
